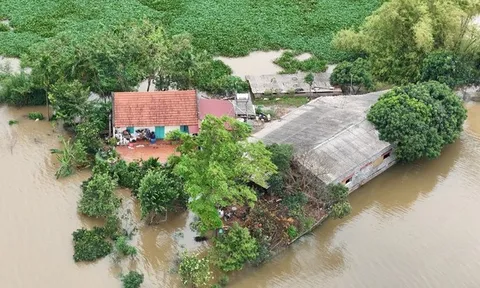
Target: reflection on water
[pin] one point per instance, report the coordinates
(413, 226)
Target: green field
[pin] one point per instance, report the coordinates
(223, 27)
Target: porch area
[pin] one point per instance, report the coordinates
(142, 150)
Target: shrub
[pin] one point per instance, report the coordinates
(223, 282)
(295, 202)
(337, 193)
(12, 122)
(194, 271)
(232, 250)
(341, 209)
(98, 198)
(123, 248)
(281, 156)
(174, 135)
(132, 279)
(90, 245)
(292, 232)
(112, 227)
(35, 116)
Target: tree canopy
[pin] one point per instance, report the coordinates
(218, 164)
(420, 119)
(401, 33)
(98, 198)
(158, 191)
(352, 74)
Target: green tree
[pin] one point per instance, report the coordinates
(420, 119)
(449, 68)
(194, 271)
(132, 279)
(158, 192)
(401, 33)
(352, 74)
(72, 156)
(337, 199)
(232, 250)
(218, 164)
(123, 248)
(309, 78)
(69, 100)
(98, 198)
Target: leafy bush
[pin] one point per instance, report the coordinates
(292, 232)
(35, 116)
(292, 65)
(132, 279)
(12, 122)
(420, 119)
(341, 209)
(232, 250)
(281, 156)
(112, 227)
(90, 245)
(98, 198)
(352, 74)
(123, 248)
(223, 282)
(174, 135)
(88, 134)
(295, 202)
(336, 193)
(194, 271)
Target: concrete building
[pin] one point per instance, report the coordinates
(291, 85)
(333, 139)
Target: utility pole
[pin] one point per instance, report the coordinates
(351, 83)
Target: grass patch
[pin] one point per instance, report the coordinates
(223, 27)
(12, 122)
(35, 116)
(283, 101)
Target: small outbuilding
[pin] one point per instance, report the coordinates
(159, 111)
(215, 107)
(333, 139)
(291, 85)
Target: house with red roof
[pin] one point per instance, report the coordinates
(158, 111)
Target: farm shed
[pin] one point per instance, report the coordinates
(291, 85)
(333, 139)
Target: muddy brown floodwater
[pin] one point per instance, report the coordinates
(413, 226)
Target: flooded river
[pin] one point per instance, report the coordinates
(413, 226)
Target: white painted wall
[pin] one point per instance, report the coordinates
(171, 128)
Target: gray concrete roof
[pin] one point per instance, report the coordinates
(331, 132)
(284, 83)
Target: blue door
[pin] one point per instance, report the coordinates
(130, 129)
(160, 132)
(184, 128)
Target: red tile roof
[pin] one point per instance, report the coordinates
(215, 107)
(159, 108)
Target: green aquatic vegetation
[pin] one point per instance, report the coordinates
(230, 28)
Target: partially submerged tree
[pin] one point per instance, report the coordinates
(218, 164)
(69, 100)
(232, 250)
(401, 33)
(194, 271)
(159, 191)
(420, 119)
(132, 279)
(352, 76)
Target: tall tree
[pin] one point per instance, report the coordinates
(420, 119)
(69, 100)
(218, 164)
(352, 74)
(401, 33)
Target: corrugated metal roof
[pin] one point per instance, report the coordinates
(332, 132)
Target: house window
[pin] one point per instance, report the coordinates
(184, 128)
(386, 155)
(348, 180)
